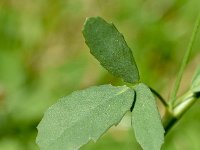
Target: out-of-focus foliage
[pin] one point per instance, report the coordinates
(43, 57)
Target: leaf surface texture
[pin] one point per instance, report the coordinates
(108, 46)
(146, 121)
(83, 116)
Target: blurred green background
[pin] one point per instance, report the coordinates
(43, 57)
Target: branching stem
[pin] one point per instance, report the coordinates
(184, 63)
(178, 107)
(172, 116)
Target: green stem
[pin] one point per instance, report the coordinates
(168, 120)
(184, 63)
(180, 100)
(172, 116)
(185, 105)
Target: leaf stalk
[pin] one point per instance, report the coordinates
(162, 100)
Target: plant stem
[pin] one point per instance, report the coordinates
(185, 105)
(180, 100)
(159, 97)
(172, 116)
(168, 120)
(184, 63)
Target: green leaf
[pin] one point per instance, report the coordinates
(83, 116)
(196, 81)
(108, 46)
(146, 120)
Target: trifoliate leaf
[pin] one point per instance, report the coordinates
(83, 116)
(196, 81)
(146, 120)
(108, 46)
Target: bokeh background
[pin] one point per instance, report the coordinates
(43, 57)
